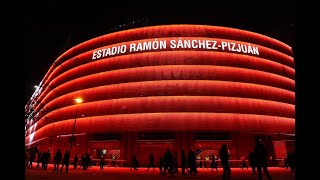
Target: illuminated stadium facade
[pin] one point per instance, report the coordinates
(167, 87)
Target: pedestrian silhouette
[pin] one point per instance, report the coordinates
(224, 157)
(151, 161)
(260, 155)
(191, 163)
(175, 162)
(252, 163)
(161, 164)
(102, 158)
(286, 160)
(39, 160)
(214, 164)
(183, 159)
(168, 163)
(56, 160)
(33, 152)
(134, 162)
(46, 159)
(75, 161)
(243, 162)
(292, 161)
(65, 161)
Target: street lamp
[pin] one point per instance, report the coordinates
(78, 101)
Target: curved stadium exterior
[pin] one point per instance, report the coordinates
(167, 87)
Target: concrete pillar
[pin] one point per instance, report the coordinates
(242, 144)
(128, 145)
(185, 141)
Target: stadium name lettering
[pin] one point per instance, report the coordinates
(176, 44)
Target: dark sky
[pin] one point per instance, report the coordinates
(51, 27)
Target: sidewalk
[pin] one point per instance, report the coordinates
(120, 173)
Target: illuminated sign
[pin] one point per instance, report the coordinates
(176, 43)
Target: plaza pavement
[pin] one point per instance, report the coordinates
(123, 173)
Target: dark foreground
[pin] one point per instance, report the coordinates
(120, 173)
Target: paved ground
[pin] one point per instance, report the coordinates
(119, 173)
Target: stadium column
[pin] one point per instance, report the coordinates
(85, 146)
(128, 145)
(185, 141)
(242, 144)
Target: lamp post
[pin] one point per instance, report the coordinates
(78, 101)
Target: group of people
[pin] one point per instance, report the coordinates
(57, 160)
(43, 158)
(170, 163)
(86, 161)
(167, 163)
(258, 159)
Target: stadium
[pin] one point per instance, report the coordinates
(162, 87)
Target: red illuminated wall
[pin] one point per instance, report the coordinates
(169, 90)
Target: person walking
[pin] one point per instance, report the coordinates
(224, 157)
(214, 164)
(65, 161)
(75, 161)
(191, 163)
(161, 164)
(57, 159)
(183, 159)
(260, 155)
(134, 162)
(102, 158)
(46, 157)
(243, 163)
(151, 161)
(39, 159)
(252, 163)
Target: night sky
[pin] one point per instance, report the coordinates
(52, 27)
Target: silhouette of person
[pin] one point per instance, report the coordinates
(192, 164)
(252, 162)
(167, 162)
(65, 161)
(39, 160)
(27, 157)
(243, 162)
(46, 159)
(183, 159)
(57, 159)
(75, 161)
(88, 160)
(292, 161)
(83, 161)
(134, 162)
(287, 159)
(260, 155)
(161, 164)
(102, 158)
(151, 161)
(113, 162)
(213, 163)
(32, 157)
(175, 162)
(224, 157)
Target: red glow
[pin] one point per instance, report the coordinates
(171, 58)
(184, 72)
(177, 90)
(87, 57)
(170, 122)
